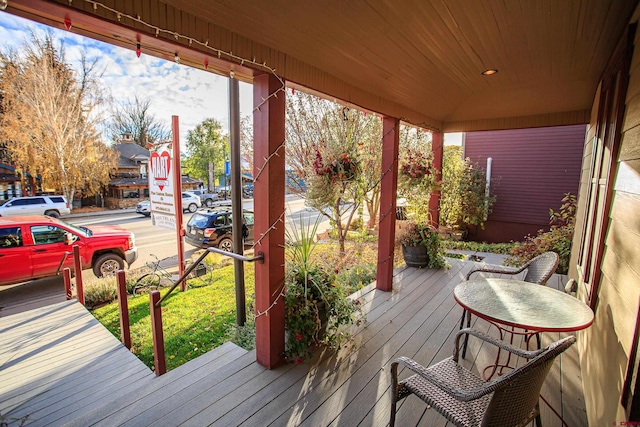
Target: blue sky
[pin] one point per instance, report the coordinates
(173, 89)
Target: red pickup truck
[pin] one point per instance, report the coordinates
(32, 247)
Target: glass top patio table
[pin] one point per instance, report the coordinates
(524, 305)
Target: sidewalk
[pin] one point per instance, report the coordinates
(105, 212)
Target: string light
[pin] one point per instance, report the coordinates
(138, 51)
(274, 303)
(3, 4)
(67, 23)
(206, 64)
(228, 55)
(176, 57)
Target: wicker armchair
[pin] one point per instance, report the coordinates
(539, 270)
(466, 400)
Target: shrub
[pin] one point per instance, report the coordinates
(99, 292)
(357, 224)
(494, 248)
(243, 336)
(557, 239)
(357, 277)
(464, 200)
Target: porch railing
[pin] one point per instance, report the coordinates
(155, 305)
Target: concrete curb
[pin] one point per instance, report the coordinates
(99, 213)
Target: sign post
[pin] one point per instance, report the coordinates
(177, 179)
(165, 190)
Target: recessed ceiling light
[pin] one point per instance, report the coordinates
(489, 72)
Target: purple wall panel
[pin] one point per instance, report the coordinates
(532, 170)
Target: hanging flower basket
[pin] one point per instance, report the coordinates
(343, 168)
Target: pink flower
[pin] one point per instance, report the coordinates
(299, 337)
(298, 360)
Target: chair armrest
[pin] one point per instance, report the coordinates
(501, 344)
(458, 393)
(495, 269)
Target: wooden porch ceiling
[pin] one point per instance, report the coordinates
(420, 61)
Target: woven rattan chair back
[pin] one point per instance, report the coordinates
(517, 400)
(540, 268)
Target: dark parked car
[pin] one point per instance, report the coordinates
(212, 228)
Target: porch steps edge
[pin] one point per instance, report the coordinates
(125, 406)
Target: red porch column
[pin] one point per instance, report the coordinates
(437, 146)
(268, 205)
(388, 187)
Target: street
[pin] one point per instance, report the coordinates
(161, 242)
(150, 240)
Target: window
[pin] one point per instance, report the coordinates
(130, 194)
(248, 218)
(605, 149)
(34, 201)
(58, 200)
(45, 234)
(10, 237)
(220, 221)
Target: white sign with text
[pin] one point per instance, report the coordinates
(161, 189)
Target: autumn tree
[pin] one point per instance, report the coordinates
(205, 143)
(50, 117)
(328, 150)
(246, 142)
(134, 117)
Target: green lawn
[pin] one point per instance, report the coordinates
(194, 321)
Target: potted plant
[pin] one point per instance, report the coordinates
(317, 311)
(420, 245)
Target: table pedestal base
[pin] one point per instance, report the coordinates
(498, 367)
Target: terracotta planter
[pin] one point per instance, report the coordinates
(415, 256)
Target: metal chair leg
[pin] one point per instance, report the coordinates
(538, 420)
(466, 337)
(392, 419)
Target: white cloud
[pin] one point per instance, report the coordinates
(191, 94)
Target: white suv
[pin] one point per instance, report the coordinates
(53, 206)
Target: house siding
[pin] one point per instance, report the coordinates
(605, 347)
(532, 169)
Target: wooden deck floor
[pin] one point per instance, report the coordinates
(347, 388)
(57, 360)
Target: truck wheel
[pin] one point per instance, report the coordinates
(107, 265)
(209, 203)
(226, 245)
(52, 214)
